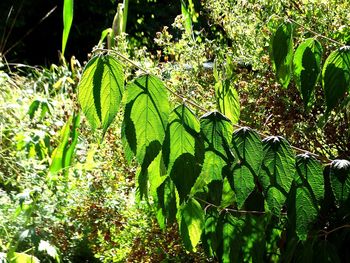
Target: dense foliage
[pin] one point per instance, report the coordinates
(167, 155)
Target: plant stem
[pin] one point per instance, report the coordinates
(185, 100)
(254, 212)
(315, 33)
(326, 233)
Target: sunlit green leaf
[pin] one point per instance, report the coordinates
(307, 68)
(183, 150)
(282, 52)
(100, 90)
(156, 174)
(67, 22)
(23, 258)
(146, 117)
(227, 100)
(216, 131)
(336, 76)
(248, 150)
(278, 171)
(62, 156)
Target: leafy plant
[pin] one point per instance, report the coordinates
(307, 67)
(206, 166)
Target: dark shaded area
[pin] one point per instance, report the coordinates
(91, 17)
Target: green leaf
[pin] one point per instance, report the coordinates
(229, 230)
(166, 194)
(278, 171)
(62, 156)
(209, 236)
(311, 172)
(104, 34)
(248, 149)
(228, 195)
(156, 174)
(101, 90)
(35, 105)
(216, 131)
(145, 118)
(305, 195)
(275, 200)
(306, 212)
(183, 150)
(191, 222)
(282, 53)
(187, 17)
(72, 143)
(150, 167)
(307, 68)
(67, 22)
(336, 76)
(227, 100)
(340, 180)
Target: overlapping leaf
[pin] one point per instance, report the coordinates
(166, 194)
(101, 90)
(191, 222)
(340, 180)
(306, 211)
(336, 76)
(209, 236)
(229, 238)
(278, 171)
(248, 150)
(227, 100)
(305, 195)
(282, 52)
(311, 172)
(182, 148)
(228, 196)
(307, 68)
(216, 130)
(145, 118)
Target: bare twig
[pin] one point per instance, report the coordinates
(325, 233)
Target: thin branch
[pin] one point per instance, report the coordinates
(253, 212)
(315, 33)
(326, 233)
(185, 100)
